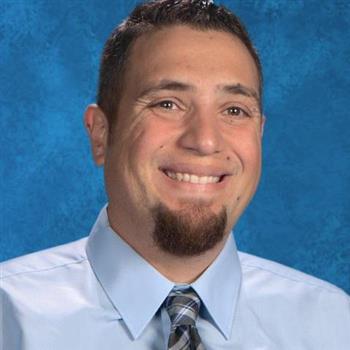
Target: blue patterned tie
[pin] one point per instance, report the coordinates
(183, 307)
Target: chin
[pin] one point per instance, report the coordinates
(189, 231)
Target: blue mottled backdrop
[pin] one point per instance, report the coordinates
(51, 191)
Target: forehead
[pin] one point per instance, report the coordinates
(201, 56)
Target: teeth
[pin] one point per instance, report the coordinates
(195, 179)
(179, 176)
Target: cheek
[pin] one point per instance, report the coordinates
(143, 150)
(246, 152)
(252, 154)
(252, 165)
(154, 136)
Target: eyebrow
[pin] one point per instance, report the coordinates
(166, 84)
(239, 89)
(174, 85)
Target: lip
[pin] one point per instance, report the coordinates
(200, 170)
(189, 188)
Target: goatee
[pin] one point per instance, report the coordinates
(190, 231)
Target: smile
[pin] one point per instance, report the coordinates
(192, 178)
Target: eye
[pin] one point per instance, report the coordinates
(237, 112)
(168, 108)
(166, 104)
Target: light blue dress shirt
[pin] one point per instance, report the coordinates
(99, 294)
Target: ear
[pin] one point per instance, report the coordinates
(96, 124)
(262, 125)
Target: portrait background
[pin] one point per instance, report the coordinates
(52, 192)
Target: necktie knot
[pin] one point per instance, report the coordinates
(183, 307)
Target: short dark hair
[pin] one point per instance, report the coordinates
(157, 14)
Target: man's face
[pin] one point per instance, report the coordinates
(188, 130)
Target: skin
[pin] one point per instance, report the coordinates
(190, 104)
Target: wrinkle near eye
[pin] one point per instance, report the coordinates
(142, 102)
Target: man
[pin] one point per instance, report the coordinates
(178, 127)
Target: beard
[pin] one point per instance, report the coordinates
(188, 232)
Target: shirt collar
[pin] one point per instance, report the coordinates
(137, 289)
(219, 287)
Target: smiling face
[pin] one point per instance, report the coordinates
(188, 130)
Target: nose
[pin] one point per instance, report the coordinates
(201, 134)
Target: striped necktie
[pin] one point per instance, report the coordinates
(183, 307)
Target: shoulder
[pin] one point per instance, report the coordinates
(45, 282)
(252, 266)
(278, 291)
(293, 306)
(44, 262)
(55, 288)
